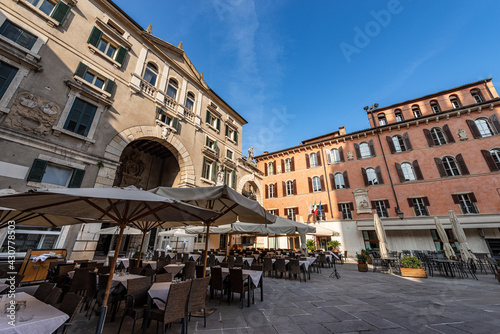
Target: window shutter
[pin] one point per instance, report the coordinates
(332, 181)
(386, 202)
(489, 160)
(158, 112)
(339, 207)
(440, 167)
(365, 177)
(282, 165)
(274, 167)
(76, 178)
(215, 146)
(318, 158)
(218, 124)
(95, 37)
(496, 123)
(322, 181)
(121, 54)
(428, 136)
(351, 206)
(81, 70)
(341, 154)
(207, 118)
(358, 152)
(418, 172)
(309, 181)
(461, 164)
(372, 148)
(328, 157)
(410, 202)
(109, 86)
(296, 211)
(374, 205)
(207, 142)
(473, 129)
(379, 175)
(346, 180)
(277, 212)
(37, 170)
(456, 199)
(233, 179)
(227, 131)
(265, 169)
(406, 139)
(283, 187)
(400, 172)
(60, 12)
(390, 144)
(472, 197)
(203, 167)
(448, 135)
(308, 165)
(293, 164)
(267, 191)
(235, 137)
(325, 208)
(175, 125)
(426, 201)
(294, 187)
(214, 171)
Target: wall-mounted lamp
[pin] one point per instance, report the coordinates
(400, 214)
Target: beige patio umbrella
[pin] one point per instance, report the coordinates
(382, 238)
(448, 251)
(458, 231)
(177, 233)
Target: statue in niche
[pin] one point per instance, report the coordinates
(250, 154)
(363, 204)
(220, 176)
(350, 156)
(462, 135)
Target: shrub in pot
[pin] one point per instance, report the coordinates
(362, 258)
(412, 267)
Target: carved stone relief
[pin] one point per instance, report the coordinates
(350, 156)
(130, 171)
(362, 201)
(33, 114)
(462, 134)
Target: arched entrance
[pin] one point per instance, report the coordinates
(248, 186)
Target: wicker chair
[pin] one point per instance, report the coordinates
(322, 260)
(268, 266)
(53, 297)
(199, 271)
(295, 270)
(136, 271)
(79, 283)
(280, 267)
(239, 262)
(43, 291)
(160, 264)
(166, 277)
(89, 265)
(257, 267)
(148, 272)
(211, 260)
(238, 284)
(230, 261)
(185, 257)
(217, 282)
(197, 298)
(91, 290)
(70, 304)
(104, 270)
(136, 299)
(175, 306)
(189, 270)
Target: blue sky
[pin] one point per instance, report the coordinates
(296, 70)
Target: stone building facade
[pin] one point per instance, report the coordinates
(419, 159)
(88, 98)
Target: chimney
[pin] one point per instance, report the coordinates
(342, 130)
(266, 152)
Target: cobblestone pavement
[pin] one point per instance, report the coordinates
(356, 303)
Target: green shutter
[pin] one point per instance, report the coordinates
(203, 168)
(233, 179)
(214, 171)
(109, 86)
(37, 170)
(158, 112)
(60, 12)
(227, 131)
(95, 37)
(121, 54)
(76, 178)
(218, 124)
(207, 119)
(175, 123)
(81, 70)
(236, 137)
(206, 142)
(215, 146)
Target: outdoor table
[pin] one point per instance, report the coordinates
(174, 268)
(194, 257)
(248, 260)
(170, 255)
(255, 277)
(390, 260)
(3, 287)
(220, 258)
(448, 270)
(117, 279)
(124, 261)
(151, 263)
(159, 290)
(46, 318)
(256, 256)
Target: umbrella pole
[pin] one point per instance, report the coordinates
(140, 249)
(206, 251)
(100, 325)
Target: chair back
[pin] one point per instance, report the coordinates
(185, 257)
(175, 306)
(156, 256)
(92, 285)
(268, 264)
(216, 279)
(53, 296)
(80, 280)
(198, 294)
(104, 270)
(138, 288)
(162, 255)
(43, 291)
(236, 277)
(64, 268)
(160, 264)
(230, 261)
(136, 271)
(189, 270)
(149, 272)
(294, 266)
(199, 271)
(132, 263)
(166, 277)
(211, 260)
(280, 265)
(257, 267)
(89, 265)
(70, 304)
(239, 261)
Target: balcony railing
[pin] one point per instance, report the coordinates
(170, 102)
(148, 88)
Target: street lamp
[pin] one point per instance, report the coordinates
(399, 213)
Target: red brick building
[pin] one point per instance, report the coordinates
(419, 159)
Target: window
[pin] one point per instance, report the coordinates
(209, 171)
(172, 90)
(408, 172)
(346, 209)
(399, 115)
(164, 117)
(292, 213)
(450, 166)
(111, 50)
(46, 172)
(80, 117)
(313, 160)
(211, 143)
(107, 48)
(272, 190)
(270, 167)
(17, 34)
(364, 149)
(288, 165)
(31, 237)
(56, 10)
(419, 205)
(231, 133)
(339, 181)
(94, 79)
(322, 209)
(289, 188)
(229, 154)
(455, 102)
(190, 101)
(371, 176)
(381, 207)
(212, 120)
(335, 156)
(273, 211)
(151, 74)
(230, 178)
(7, 73)
(476, 94)
(370, 239)
(466, 202)
(316, 184)
(382, 120)
(435, 107)
(483, 127)
(399, 144)
(438, 136)
(416, 111)
(451, 238)
(495, 154)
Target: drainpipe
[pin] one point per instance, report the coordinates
(327, 183)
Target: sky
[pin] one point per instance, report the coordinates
(300, 69)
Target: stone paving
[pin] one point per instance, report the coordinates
(356, 303)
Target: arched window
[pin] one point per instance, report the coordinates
(364, 149)
(408, 171)
(399, 144)
(381, 119)
(316, 183)
(288, 165)
(450, 166)
(313, 160)
(272, 192)
(190, 101)
(455, 101)
(270, 168)
(335, 156)
(476, 94)
(435, 107)
(289, 188)
(438, 136)
(172, 88)
(399, 115)
(495, 154)
(151, 73)
(371, 176)
(416, 111)
(339, 181)
(484, 127)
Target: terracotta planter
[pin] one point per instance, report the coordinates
(363, 267)
(411, 272)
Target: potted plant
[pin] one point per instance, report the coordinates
(362, 258)
(367, 253)
(412, 267)
(310, 245)
(334, 245)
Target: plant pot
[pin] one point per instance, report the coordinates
(363, 267)
(412, 272)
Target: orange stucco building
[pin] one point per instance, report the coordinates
(419, 159)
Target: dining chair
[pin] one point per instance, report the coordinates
(188, 271)
(79, 283)
(197, 298)
(91, 291)
(175, 306)
(70, 304)
(43, 291)
(230, 261)
(53, 297)
(268, 266)
(257, 267)
(136, 300)
(217, 282)
(280, 267)
(165, 277)
(239, 262)
(104, 269)
(294, 269)
(136, 271)
(238, 284)
(199, 271)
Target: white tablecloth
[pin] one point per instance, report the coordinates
(306, 263)
(220, 258)
(160, 290)
(123, 279)
(174, 268)
(248, 260)
(170, 255)
(195, 257)
(3, 286)
(46, 318)
(151, 263)
(256, 256)
(254, 274)
(122, 260)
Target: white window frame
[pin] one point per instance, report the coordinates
(436, 137)
(455, 102)
(477, 96)
(54, 161)
(381, 209)
(313, 160)
(335, 156)
(271, 190)
(371, 175)
(419, 207)
(399, 143)
(289, 188)
(466, 205)
(316, 184)
(450, 165)
(416, 112)
(339, 181)
(270, 168)
(346, 211)
(229, 156)
(484, 127)
(288, 165)
(291, 214)
(208, 168)
(495, 154)
(364, 150)
(408, 171)
(272, 211)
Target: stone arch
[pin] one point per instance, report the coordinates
(114, 149)
(256, 183)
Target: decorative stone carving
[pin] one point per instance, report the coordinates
(350, 156)
(362, 201)
(250, 154)
(462, 135)
(220, 176)
(33, 114)
(130, 171)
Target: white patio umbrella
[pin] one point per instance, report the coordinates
(448, 251)
(116, 230)
(458, 231)
(382, 238)
(177, 233)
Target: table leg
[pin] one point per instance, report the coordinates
(262, 288)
